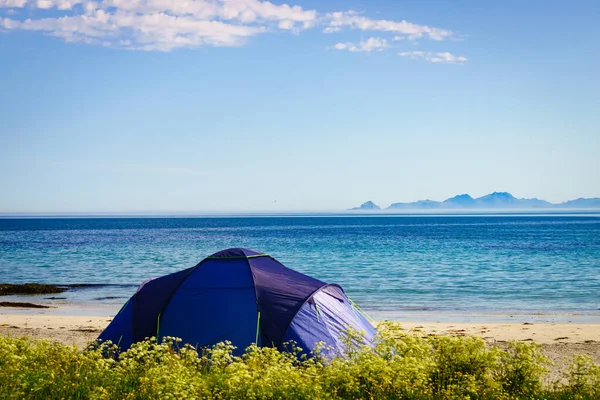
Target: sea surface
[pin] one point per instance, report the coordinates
(411, 267)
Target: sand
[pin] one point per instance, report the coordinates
(75, 330)
(560, 341)
(542, 333)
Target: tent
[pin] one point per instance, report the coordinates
(242, 296)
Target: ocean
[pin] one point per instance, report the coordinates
(401, 267)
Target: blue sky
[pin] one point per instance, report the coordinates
(249, 106)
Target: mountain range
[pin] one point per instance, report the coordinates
(496, 200)
(369, 205)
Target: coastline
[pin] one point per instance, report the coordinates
(559, 341)
(81, 328)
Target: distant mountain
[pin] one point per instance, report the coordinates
(496, 200)
(369, 205)
(419, 205)
(581, 203)
(460, 201)
(507, 200)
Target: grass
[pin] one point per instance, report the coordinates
(401, 366)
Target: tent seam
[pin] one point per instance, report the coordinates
(304, 303)
(164, 308)
(237, 257)
(133, 303)
(255, 294)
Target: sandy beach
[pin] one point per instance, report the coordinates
(560, 341)
(79, 329)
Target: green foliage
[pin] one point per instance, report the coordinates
(464, 367)
(583, 380)
(522, 367)
(401, 366)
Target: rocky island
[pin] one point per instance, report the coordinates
(496, 200)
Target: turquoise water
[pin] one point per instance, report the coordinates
(398, 267)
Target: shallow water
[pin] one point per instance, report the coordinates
(397, 267)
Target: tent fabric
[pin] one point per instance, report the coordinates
(280, 292)
(326, 318)
(217, 294)
(120, 330)
(237, 252)
(149, 301)
(239, 295)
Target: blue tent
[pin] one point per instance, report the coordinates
(242, 296)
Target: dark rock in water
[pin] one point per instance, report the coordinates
(81, 285)
(29, 288)
(109, 298)
(85, 286)
(55, 298)
(21, 305)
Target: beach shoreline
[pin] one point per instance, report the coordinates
(559, 341)
(546, 329)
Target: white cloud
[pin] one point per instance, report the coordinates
(440, 57)
(168, 24)
(8, 23)
(12, 3)
(58, 4)
(351, 19)
(268, 11)
(162, 24)
(44, 4)
(149, 32)
(244, 11)
(331, 29)
(286, 24)
(371, 44)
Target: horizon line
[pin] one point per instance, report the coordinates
(345, 212)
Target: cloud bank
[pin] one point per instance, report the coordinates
(351, 19)
(371, 44)
(164, 25)
(439, 57)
